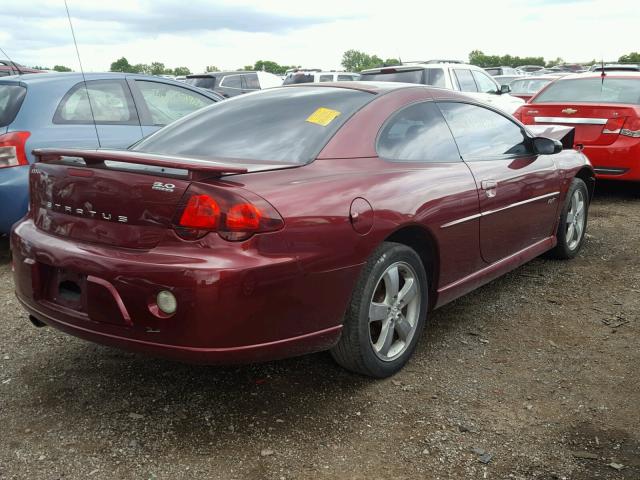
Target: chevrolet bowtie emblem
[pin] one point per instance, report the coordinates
(569, 111)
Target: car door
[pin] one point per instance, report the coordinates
(161, 103)
(105, 107)
(438, 185)
(518, 190)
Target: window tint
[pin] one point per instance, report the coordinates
(345, 78)
(593, 90)
(251, 81)
(436, 77)
(480, 132)
(167, 103)
(11, 97)
(465, 80)
(417, 133)
(281, 124)
(326, 78)
(485, 84)
(232, 81)
(111, 102)
(411, 76)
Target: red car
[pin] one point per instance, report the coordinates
(10, 68)
(605, 111)
(294, 220)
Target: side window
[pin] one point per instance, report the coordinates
(111, 103)
(485, 84)
(232, 81)
(167, 103)
(482, 133)
(436, 77)
(326, 78)
(465, 80)
(417, 133)
(345, 78)
(251, 81)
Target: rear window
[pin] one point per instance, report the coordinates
(11, 97)
(285, 125)
(202, 82)
(298, 78)
(593, 90)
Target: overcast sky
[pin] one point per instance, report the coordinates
(230, 34)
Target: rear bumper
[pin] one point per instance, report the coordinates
(618, 161)
(14, 195)
(234, 305)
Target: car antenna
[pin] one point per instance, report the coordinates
(14, 64)
(84, 79)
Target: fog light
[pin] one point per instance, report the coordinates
(166, 302)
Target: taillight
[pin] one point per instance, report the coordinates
(613, 125)
(201, 211)
(518, 114)
(233, 213)
(632, 129)
(12, 149)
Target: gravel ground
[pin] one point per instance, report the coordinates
(532, 376)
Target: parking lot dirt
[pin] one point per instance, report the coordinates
(536, 375)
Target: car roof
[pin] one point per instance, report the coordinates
(613, 74)
(227, 72)
(379, 88)
(75, 77)
(416, 66)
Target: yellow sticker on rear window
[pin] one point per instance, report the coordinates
(323, 116)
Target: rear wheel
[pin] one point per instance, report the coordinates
(386, 315)
(573, 221)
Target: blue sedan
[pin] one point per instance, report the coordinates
(57, 110)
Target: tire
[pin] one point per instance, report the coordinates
(571, 228)
(381, 347)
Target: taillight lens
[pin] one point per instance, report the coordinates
(518, 113)
(12, 149)
(613, 125)
(201, 211)
(235, 214)
(632, 128)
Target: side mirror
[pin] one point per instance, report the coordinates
(504, 89)
(546, 146)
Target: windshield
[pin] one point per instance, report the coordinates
(11, 97)
(202, 82)
(593, 90)
(405, 76)
(529, 86)
(282, 124)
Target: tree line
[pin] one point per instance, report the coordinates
(352, 61)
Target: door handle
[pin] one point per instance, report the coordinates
(489, 184)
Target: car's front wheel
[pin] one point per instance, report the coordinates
(386, 314)
(573, 221)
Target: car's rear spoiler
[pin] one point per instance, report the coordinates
(196, 168)
(563, 134)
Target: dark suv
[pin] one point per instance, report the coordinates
(230, 84)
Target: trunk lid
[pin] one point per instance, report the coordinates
(594, 124)
(119, 198)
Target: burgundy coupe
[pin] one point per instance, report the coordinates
(293, 220)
